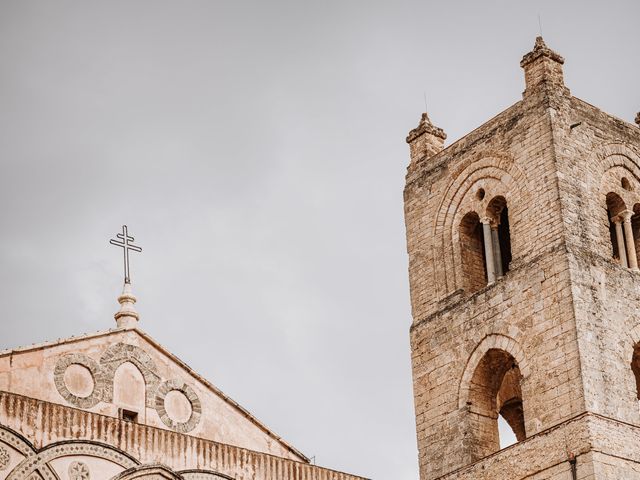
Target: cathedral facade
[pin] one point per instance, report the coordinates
(523, 241)
(116, 405)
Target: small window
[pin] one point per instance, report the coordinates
(128, 415)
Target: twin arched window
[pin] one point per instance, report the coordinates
(485, 245)
(624, 229)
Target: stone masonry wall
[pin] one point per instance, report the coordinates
(530, 308)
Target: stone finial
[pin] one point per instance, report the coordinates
(127, 315)
(425, 140)
(542, 67)
(638, 119)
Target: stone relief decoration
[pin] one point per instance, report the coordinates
(121, 353)
(4, 458)
(91, 366)
(78, 471)
(35, 465)
(84, 383)
(148, 472)
(38, 462)
(171, 418)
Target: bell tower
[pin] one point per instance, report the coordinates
(523, 239)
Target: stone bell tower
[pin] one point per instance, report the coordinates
(523, 239)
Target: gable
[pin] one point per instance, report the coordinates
(124, 373)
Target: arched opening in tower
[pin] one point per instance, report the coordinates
(499, 213)
(494, 392)
(473, 253)
(615, 206)
(635, 368)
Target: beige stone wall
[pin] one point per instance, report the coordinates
(126, 370)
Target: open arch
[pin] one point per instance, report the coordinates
(495, 390)
(472, 253)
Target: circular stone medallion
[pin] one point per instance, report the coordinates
(178, 406)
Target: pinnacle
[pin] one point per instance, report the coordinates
(540, 49)
(127, 316)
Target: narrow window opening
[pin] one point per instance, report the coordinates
(635, 228)
(498, 211)
(635, 368)
(473, 253)
(612, 236)
(505, 239)
(128, 415)
(615, 207)
(626, 184)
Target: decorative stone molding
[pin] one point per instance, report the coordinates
(187, 391)
(148, 472)
(12, 439)
(40, 460)
(103, 376)
(4, 458)
(78, 471)
(94, 369)
(121, 353)
(203, 475)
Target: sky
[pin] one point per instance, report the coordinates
(256, 150)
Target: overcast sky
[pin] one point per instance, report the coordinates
(256, 150)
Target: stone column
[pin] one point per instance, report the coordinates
(495, 240)
(628, 237)
(622, 251)
(488, 250)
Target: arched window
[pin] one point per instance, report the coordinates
(499, 214)
(635, 228)
(473, 253)
(494, 391)
(635, 368)
(624, 227)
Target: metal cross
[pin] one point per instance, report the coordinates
(124, 243)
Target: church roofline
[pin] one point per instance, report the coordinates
(460, 141)
(177, 360)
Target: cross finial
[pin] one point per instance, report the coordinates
(123, 241)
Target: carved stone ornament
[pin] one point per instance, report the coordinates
(90, 364)
(78, 471)
(187, 391)
(4, 458)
